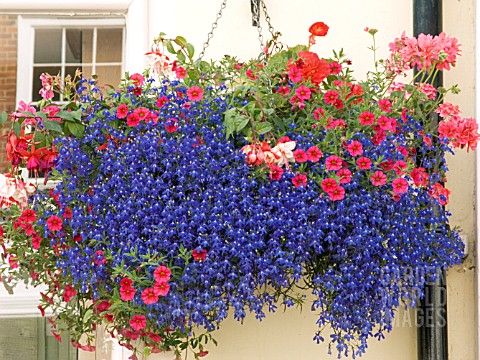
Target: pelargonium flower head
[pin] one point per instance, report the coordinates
(161, 288)
(333, 163)
(195, 93)
(54, 223)
(318, 29)
(162, 274)
(138, 322)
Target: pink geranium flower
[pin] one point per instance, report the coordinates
(149, 296)
(138, 322)
(333, 163)
(162, 273)
(161, 288)
(195, 93)
(54, 223)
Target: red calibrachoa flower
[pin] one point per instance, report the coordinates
(199, 255)
(400, 186)
(345, 175)
(314, 154)
(138, 322)
(54, 223)
(149, 296)
(122, 111)
(299, 180)
(126, 282)
(276, 172)
(195, 93)
(337, 193)
(440, 193)
(333, 163)
(300, 155)
(161, 288)
(378, 178)
(127, 293)
(366, 118)
(364, 163)
(355, 148)
(329, 184)
(68, 293)
(162, 274)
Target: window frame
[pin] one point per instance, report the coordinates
(26, 45)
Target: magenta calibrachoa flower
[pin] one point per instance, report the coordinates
(221, 188)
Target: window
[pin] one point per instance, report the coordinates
(60, 46)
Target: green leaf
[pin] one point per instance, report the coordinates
(193, 74)
(243, 122)
(53, 126)
(75, 128)
(170, 48)
(16, 128)
(180, 40)
(70, 115)
(263, 128)
(181, 56)
(39, 139)
(3, 118)
(190, 50)
(41, 115)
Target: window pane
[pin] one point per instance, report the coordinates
(48, 46)
(109, 45)
(37, 83)
(108, 75)
(79, 46)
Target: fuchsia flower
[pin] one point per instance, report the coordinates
(138, 322)
(162, 273)
(195, 93)
(54, 223)
(68, 293)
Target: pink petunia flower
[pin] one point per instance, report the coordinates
(54, 223)
(333, 163)
(127, 293)
(400, 186)
(149, 296)
(138, 322)
(355, 148)
(314, 154)
(161, 288)
(378, 178)
(299, 180)
(162, 273)
(195, 93)
(364, 163)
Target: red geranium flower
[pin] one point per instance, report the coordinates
(312, 67)
(318, 29)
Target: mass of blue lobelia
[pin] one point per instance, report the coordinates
(181, 201)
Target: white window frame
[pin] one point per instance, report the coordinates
(26, 43)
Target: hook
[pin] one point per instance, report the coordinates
(255, 6)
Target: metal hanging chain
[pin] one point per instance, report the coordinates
(268, 20)
(214, 26)
(256, 19)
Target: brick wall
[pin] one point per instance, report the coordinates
(8, 74)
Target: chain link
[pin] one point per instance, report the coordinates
(214, 26)
(267, 19)
(256, 18)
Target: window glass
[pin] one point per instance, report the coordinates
(48, 46)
